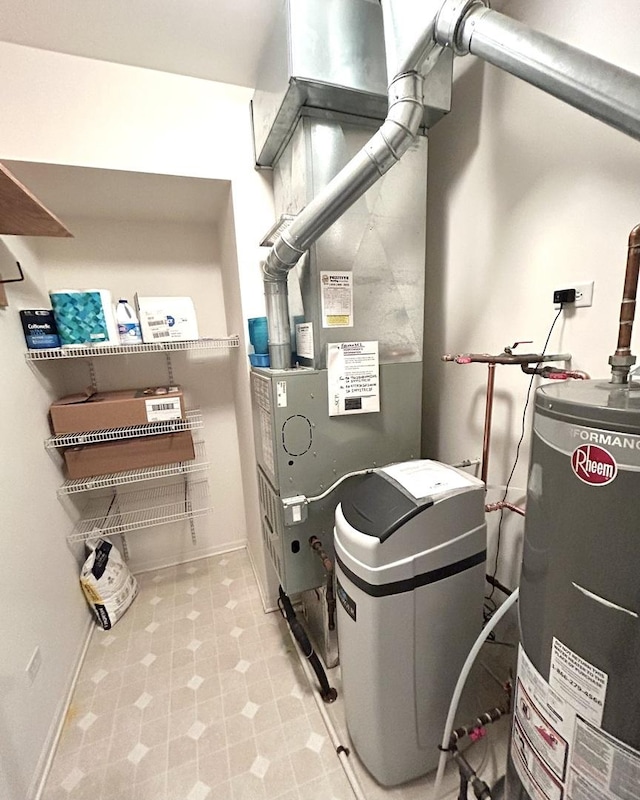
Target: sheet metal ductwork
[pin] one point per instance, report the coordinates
(380, 241)
(361, 91)
(462, 26)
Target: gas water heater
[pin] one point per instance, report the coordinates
(576, 724)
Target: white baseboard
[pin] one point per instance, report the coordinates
(197, 554)
(55, 731)
(268, 607)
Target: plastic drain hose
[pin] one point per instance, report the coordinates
(464, 674)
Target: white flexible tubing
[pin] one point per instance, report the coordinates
(337, 483)
(351, 776)
(464, 674)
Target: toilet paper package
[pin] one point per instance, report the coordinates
(84, 316)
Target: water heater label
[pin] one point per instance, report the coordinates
(594, 465)
(557, 747)
(581, 684)
(535, 776)
(543, 735)
(603, 767)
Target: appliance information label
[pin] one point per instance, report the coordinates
(581, 684)
(426, 478)
(336, 297)
(281, 394)
(535, 777)
(559, 753)
(603, 768)
(353, 374)
(546, 740)
(304, 339)
(163, 408)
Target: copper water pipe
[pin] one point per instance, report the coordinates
(622, 361)
(554, 373)
(488, 411)
(506, 357)
(504, 504)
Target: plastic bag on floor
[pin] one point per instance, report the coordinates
(107, 583)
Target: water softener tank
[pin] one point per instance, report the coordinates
(576, 724)
(410, 543)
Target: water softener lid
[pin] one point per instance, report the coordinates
(388, 498)
(595, 403)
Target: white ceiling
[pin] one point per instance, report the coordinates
(220, 40)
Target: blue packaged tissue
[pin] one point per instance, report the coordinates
(84, 317)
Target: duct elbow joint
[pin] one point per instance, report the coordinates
(455, 22)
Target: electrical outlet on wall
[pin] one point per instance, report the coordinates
(584, 294)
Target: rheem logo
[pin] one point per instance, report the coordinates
(594, 465)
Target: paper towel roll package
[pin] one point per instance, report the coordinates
(84, 316)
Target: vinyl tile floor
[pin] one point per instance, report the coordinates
(197, 694)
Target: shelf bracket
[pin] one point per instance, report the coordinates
(188, 509)
(169, 368)
(92, 375)
(3, 295)
(14, 280)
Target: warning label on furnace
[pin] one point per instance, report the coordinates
(336, 299)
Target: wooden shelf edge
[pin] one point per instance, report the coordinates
(22, 214)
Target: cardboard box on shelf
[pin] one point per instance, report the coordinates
(94, 411)
(167, 319)
(85, 461)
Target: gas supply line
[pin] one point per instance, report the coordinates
(327, 563)
(508, 357)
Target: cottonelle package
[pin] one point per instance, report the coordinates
(107, 583)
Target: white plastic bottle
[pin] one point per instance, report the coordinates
(128, 324)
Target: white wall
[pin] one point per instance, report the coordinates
(525, 196)
(148, 257)
(39, 593)
(61, 109)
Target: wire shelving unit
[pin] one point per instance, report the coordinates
(114, 479)
(123, 512)
(94, 351)
(192, 421)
